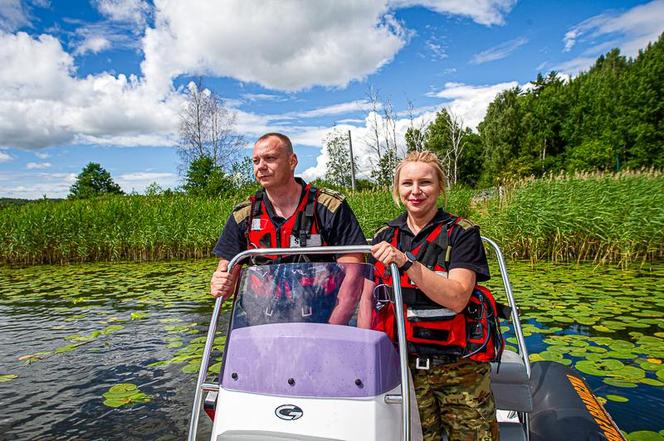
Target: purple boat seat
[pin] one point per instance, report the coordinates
(310, 360)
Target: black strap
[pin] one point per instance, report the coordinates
(254, 212)
(256, 204)
(305, 219)
(433, 252)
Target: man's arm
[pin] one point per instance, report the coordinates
(350, 290)
(230, 243)
(222, 283)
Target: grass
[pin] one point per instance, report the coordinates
(608, 218)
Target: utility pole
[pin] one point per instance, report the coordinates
(352, 163)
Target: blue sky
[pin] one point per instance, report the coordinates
(103, 80)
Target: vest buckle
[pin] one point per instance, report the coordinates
(420, 365)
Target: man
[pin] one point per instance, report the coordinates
(269, 220)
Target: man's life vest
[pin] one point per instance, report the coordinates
(299, 230)
(431, 329)
(278, 302)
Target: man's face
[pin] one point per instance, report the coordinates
(274, 166)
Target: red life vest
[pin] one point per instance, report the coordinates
(299, 230)
(432, 329)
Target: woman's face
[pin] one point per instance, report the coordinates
(418, 188)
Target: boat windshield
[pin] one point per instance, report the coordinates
(305, 292)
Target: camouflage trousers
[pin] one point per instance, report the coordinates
(456, 398)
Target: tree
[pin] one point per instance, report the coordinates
(445, 136)
(153, 189)
(470, 163)
(242, 173)
(338, 168)
(207, 128)
(415, 139)
(382, 136)
(93, 181)
(204, 178)
(501, 133)
(384, 172)
(416, 132)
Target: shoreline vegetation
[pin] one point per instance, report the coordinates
(608, 218)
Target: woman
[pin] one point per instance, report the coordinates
(441, 257)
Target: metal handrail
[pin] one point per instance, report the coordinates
(521, 342)
(401, 334)
(365, 249)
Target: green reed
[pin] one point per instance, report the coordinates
(614, 218)
(608, 218)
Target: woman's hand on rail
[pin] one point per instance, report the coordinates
(387, 254)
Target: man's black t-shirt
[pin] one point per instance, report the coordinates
(466, 243)
(336, 222)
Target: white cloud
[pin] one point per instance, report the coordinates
(106, 34)
(139, 181)
(12, 15)
(309, 44)
(335, 109)
(486, 12)
(35, 185)
(466, 101)
(263, 97)
(37, 165)
(499, 52)
(93, 44)
(437, 51)
(42, 155)
(471, 102)
(145, 176)
(4, 157)
(43, 104)
(629, 31)
(133, 11)
(570, 39)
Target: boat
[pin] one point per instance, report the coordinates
(289, 373)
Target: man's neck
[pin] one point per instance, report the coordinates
(285, 199)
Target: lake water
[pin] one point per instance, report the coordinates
(111, 351)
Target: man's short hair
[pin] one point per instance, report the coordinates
(285, 140)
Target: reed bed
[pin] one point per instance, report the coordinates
(607, 218)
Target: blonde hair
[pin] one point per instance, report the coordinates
(426, 157)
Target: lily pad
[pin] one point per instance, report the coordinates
(124, 394)
(617, 398)
(618, 383)
(111, 329)
(7, 377)
(535, 357)
(601, 328)
(645, 435)
(599, 368)
(651, 382)
(660, 374)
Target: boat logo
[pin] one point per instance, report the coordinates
(288, 412)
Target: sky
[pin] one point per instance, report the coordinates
(105, 80)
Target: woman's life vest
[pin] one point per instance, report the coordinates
(273, 294)
(431, 329)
